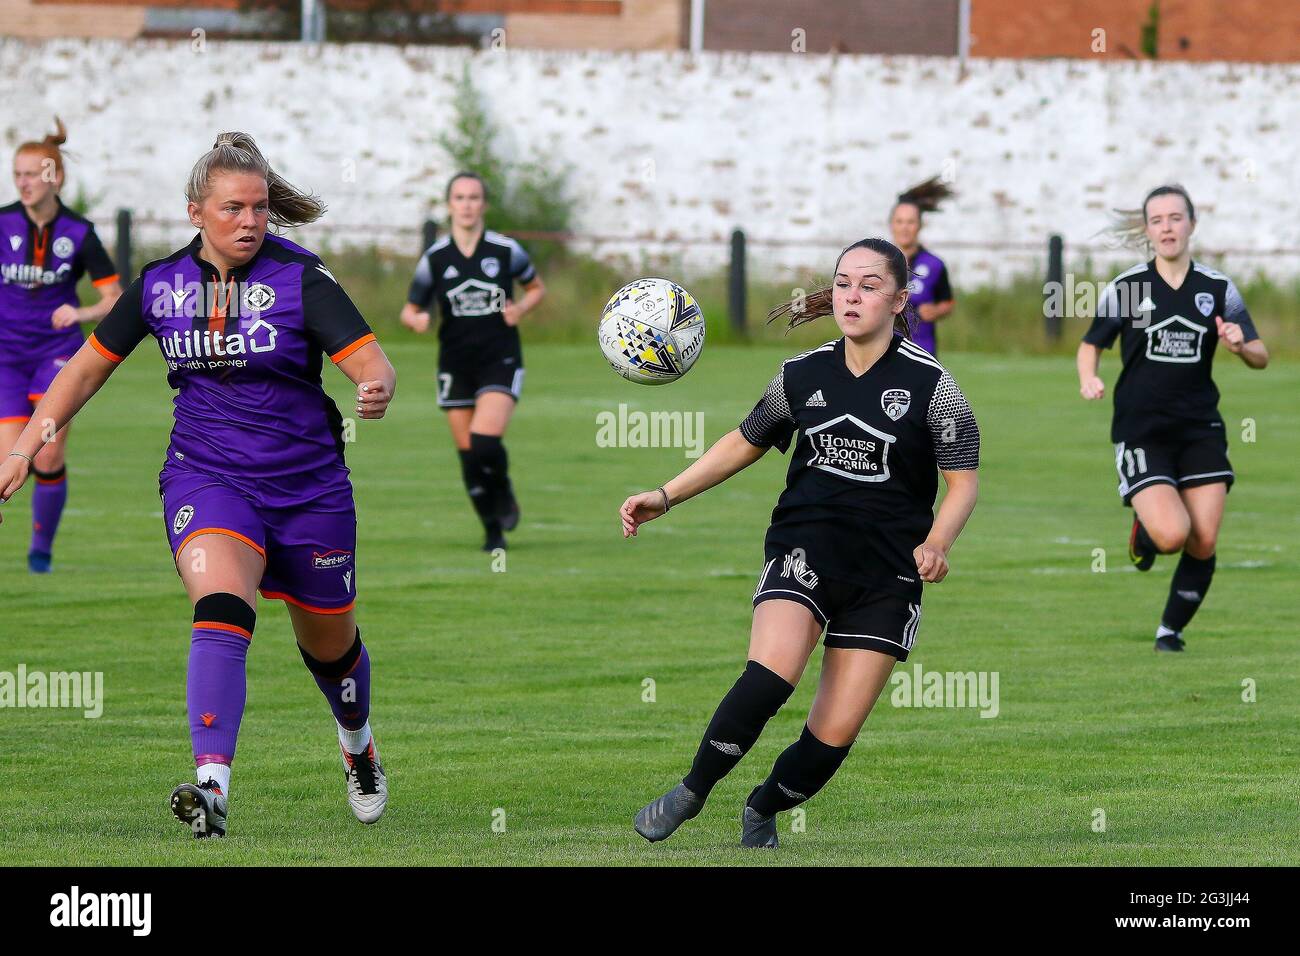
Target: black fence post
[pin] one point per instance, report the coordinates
(123, 256)
(1054, 290)
(428, 234)
(736, 282)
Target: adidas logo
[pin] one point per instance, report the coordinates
(815, 400)
(451, 273)
(732, 750)
(1193, 596)
(792, 794)
(1146, 305)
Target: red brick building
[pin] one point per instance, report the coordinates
(1245, 30)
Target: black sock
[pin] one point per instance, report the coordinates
(472, 472)
(496, 467)
(736, 724)
(803, 768)
(1187, 590)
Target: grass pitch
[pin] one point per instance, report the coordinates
(515, 697)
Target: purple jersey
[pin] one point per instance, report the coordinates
(246, 361)
(929, 284)
(39, 271)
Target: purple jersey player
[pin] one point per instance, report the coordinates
(255, 492)
(930, 293)
(45, 249)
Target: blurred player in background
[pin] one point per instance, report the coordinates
(1171, 447)
(45, 249)
(852, 537)
(255, 492)
(928, 287)
(472, 272)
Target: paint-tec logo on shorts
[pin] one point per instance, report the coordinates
(63, 247)
(182, 519)
(1205, 302)
(330, 560)
(895, 402)
(259, 297)
(850, 448)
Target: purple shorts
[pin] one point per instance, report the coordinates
(23, 383)
(310, 555)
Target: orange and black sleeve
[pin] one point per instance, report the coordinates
(119, 332)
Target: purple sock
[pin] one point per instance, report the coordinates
(48, 499)
(345, 683)
(216, 690)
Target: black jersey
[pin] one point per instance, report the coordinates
(471, 292)
(860, 490)
(1167, 342)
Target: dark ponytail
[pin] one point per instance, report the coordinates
(927, 196)
(821, 302)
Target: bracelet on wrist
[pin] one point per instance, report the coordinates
(17, 454)
(667, 504)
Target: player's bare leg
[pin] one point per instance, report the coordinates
(1160, 524)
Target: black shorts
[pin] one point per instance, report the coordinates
(1200, 461)
(853, 615)
(460, 384)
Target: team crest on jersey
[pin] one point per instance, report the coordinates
(15, 242)
(63, 247)
(259, 297)
(183, 518)
(1176, 339)
(849, 447)
(895, 402)
(1205, 302)
(491, 266)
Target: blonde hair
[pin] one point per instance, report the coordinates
(237, 152)
(48, 147)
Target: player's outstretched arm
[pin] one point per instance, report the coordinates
(730, 453)
(958, 503)
(83, 376)
(1087, 359)
(373, 375)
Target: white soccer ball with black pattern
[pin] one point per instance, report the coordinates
(652, 331)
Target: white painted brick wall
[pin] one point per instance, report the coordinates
(805, 149)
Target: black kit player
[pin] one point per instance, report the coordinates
(852, 537)
(1171, 447)
(472, 271)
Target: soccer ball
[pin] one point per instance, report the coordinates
(651, 331)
